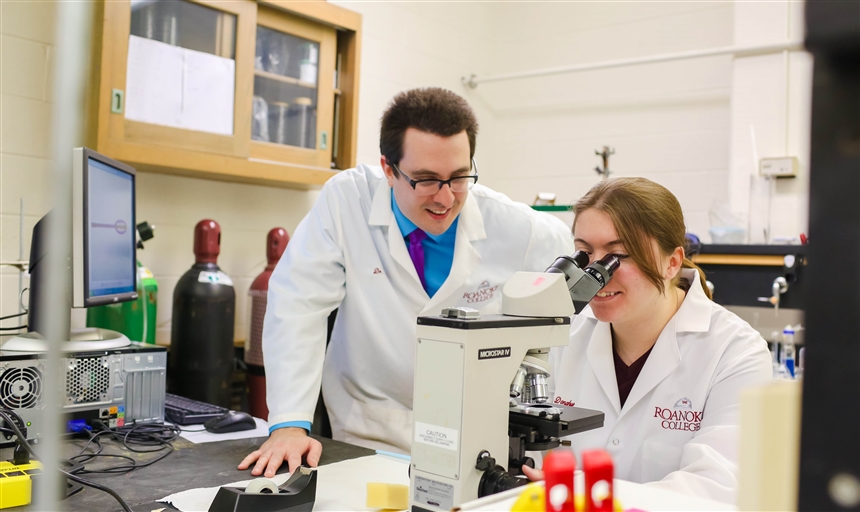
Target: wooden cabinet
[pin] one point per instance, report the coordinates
(234, 90)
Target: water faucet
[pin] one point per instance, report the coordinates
(780, 286)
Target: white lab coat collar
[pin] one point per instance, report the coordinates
(380, 210)
(470, 228)
(599, 353)
(694, 315)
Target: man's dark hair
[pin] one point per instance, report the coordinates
(432, 110)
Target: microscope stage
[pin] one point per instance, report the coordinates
(492, 322)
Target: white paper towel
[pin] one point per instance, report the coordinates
(340, 486)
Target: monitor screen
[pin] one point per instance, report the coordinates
(110, 230)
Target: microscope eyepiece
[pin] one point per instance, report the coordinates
(610, 262)
(569, 265)
(580, 258)
(602, 269)
(584, 280)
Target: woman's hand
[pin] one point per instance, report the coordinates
(533, 474)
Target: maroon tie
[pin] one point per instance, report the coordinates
(416, 252)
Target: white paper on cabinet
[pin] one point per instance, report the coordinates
(153, 82)
(173, 86)
(207, 99)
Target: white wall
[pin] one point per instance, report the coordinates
(26, 52)
(420, 44)
(684, 124)
(771, 105)
(668, 122)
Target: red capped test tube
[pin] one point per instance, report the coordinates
(598, 469)
(558, 468)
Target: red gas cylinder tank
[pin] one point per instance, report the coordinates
(200, 364)
(276, 243)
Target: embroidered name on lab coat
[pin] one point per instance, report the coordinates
(484, 293)
(680, 417)
(560, 400)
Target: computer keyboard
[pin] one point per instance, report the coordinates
(185, 411)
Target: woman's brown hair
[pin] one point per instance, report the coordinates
(641, 211)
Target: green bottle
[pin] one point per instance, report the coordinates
(136, 318)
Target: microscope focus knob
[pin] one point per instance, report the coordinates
(485, 461)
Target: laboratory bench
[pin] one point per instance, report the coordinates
(189, 466)
(194, 466)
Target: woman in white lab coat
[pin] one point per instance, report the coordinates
(653, 352)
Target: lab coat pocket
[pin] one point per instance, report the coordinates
(659, 458)
(379, 427)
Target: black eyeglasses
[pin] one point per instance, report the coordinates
(431, 186)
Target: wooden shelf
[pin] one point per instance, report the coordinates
(764, 260)
(255, 171)
(284, 79)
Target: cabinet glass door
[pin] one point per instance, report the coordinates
(286, 74)
(181, 66)
(185, 24)
(174, 72)
(292, 106)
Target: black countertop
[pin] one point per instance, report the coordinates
(189, 466)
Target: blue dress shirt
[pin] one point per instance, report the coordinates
(438, 249)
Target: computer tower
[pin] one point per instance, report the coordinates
(119, 386)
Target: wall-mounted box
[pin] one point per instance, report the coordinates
(784, 167)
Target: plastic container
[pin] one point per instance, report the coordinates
(788, 354)
(308, 72)
(260, 120)
(279, 129)
(278, 53)
(302, 124)
(135, 319)
(728, 235)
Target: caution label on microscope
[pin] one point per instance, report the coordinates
(435, 435)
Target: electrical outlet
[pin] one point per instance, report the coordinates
(784, 167)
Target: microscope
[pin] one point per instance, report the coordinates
(481, 391)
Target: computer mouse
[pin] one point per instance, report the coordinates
(231, 421)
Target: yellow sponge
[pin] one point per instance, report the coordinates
(532, 499)
(390, 496)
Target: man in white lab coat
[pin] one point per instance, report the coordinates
(385, 246)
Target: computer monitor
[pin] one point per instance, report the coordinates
(103, 230)
(101, 261)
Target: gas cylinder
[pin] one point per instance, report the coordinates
(200, 364)
(276, 243)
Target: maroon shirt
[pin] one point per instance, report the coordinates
(625, 375)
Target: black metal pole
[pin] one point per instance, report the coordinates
(830, 429)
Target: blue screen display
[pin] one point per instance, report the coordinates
(110, 230)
